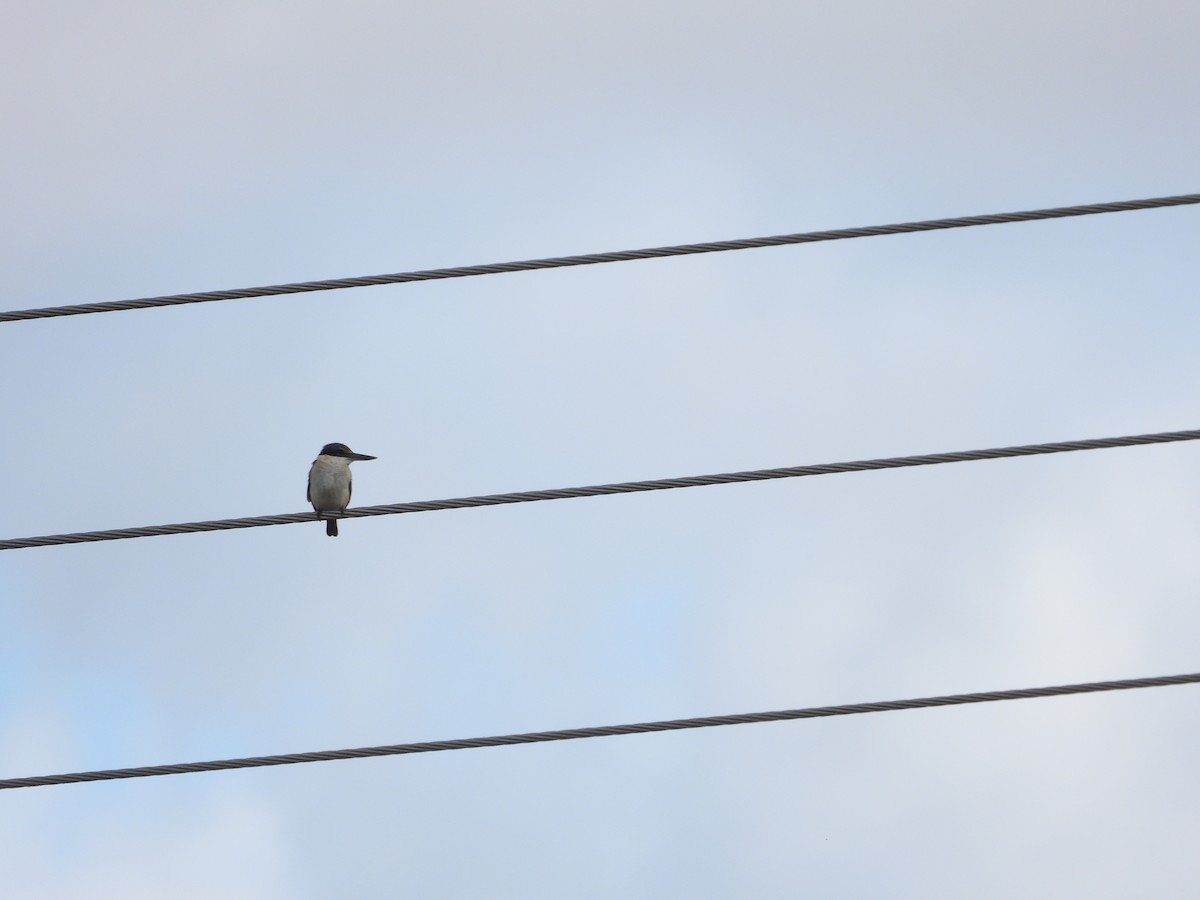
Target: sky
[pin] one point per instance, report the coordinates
(158, 148)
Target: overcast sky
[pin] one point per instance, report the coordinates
(158, 148)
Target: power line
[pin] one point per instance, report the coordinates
(539, 737)
(558, 262)
(625, 487)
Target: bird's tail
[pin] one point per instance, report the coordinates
(331, 527)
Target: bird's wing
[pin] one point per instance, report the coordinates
(308, 490)
(349, 485)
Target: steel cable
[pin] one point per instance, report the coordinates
(558, 262)
(571, 734)
(627, 487)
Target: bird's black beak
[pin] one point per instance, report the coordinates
(360, 456)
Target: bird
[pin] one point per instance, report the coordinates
(329, 481)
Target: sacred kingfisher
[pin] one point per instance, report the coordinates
(329, 482)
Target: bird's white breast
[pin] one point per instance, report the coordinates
(329, 483)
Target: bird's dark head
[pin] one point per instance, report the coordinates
(343, 451)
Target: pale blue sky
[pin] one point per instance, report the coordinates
(157, 148)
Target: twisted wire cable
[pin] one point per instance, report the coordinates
(588, 259)
(571, 734)
(626, 487)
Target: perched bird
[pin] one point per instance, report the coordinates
(329, 482)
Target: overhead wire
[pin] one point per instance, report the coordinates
(570, 734)
(596, 258)
(626, 487)
(599, 490)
